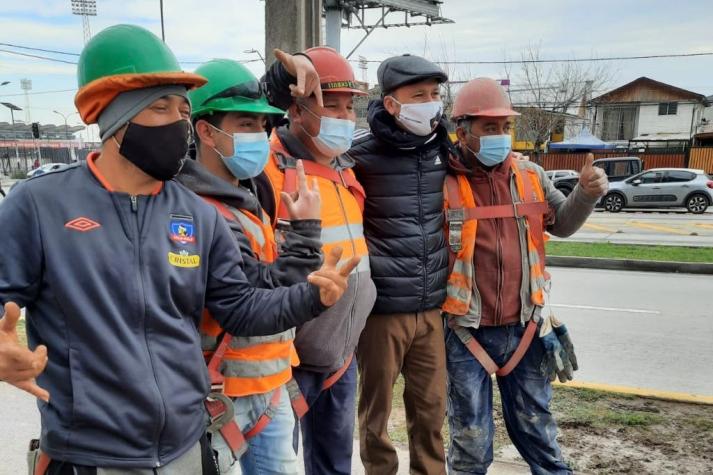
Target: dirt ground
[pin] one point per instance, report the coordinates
(601, 433)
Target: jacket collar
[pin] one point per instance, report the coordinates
(96, 173)
(202, 182)
(384, 127)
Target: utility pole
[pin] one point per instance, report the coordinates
(291, 26)
(333, 23)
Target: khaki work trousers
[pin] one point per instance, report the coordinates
(410, 344)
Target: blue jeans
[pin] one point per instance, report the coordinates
(525, 396)
(328, 427)
(269, 452)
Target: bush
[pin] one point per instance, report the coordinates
(18, 175)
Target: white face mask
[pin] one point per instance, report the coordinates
(421, 118)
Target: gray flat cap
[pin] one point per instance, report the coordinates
(406, 69)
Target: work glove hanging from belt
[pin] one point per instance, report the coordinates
(559, 359)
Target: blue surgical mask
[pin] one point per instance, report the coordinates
(494, 149)
(250, 153)
(335, 135)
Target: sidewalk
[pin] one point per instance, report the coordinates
(639, 238)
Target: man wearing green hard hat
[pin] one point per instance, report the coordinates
(115, 262)
(232, 148)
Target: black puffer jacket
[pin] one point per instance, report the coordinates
(403, 176)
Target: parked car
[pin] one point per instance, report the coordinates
(557, 174)
(616, 168)
(49, 167)
(662, 188)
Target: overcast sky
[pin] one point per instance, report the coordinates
(483, 30)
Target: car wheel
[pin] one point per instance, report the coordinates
(565, 190)
(613, 202)
(697, 204)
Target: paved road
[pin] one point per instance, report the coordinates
(639, 329)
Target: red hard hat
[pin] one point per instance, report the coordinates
(335, 72)
(482, 97)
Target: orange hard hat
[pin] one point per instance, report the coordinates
(482, 97)
(335, 72)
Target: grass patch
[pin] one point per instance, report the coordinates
(630, 251)
(606, 418)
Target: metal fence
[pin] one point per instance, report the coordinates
(17, 158)
(701, 157)
(575, 161)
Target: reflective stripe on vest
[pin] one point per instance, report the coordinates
(462, 239)
(341, 214)
(251, 365)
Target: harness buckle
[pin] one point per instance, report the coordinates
(455, 219)
(219, 419)
(514, 209)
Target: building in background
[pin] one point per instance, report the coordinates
(647, 114)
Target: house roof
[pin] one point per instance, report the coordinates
(620, 94)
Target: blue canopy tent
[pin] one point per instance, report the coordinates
(584, 141)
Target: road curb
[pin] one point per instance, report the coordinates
(640, 392)
(631, 264)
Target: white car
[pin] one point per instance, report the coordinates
(49, 167)
(557, 174)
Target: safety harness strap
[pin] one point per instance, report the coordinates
(484, 358)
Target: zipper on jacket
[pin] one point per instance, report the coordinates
(354, 252)
(162, 409)
(424, 254)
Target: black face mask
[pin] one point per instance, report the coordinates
(157, 151)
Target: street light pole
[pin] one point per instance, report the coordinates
(65, 117)
(163, 31)
(13, 108)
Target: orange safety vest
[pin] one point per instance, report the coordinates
(248, 365)
(342, 201)
(462, 219)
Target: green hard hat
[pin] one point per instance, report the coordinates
(124, 49)
(231, 87)
(123, 58)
